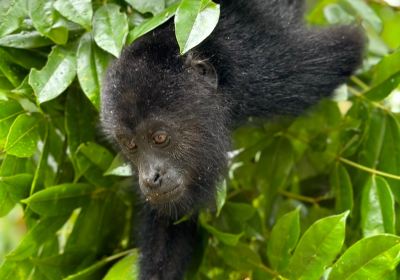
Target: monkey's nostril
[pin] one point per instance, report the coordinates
(157, 178)
(153, 181)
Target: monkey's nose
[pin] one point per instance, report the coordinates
(153, 181)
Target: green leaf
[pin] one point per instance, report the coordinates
(6, 203)
(240, 257)
(97, 154)
(377, 208)
(12, 165)
(110, 28)
(127, 268)
(221, 196)
(23, 136)
(343, 189)
(194, 21)
(119, 167)
(283, 240)
(151, 23)
(369, 258)
(10, 270)
(380, 149)
(55, 76)
(25, 40)
(96, 216)
(386, 77)
(91, 66)
(145, 6)
(226, 238)
(12, 17)
(335, 14)
(12, 190)
(79, 11)
(317, 248)
(61, 199)
(41, 232)
(47, 21)
(275, 164)
(240, 212)
(5, 85)
(9, 110)
(366, 13)
(17, 186)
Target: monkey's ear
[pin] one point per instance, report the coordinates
(206, 70)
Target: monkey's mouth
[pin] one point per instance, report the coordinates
(170, 195)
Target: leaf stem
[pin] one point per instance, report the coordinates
(359, 82)
(119, 255)
(368, 169)
(270, 271)
(301, 197)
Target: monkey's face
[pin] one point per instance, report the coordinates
(152, 149)
(177, 160)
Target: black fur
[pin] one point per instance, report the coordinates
(260, 60)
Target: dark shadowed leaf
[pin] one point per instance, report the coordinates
(80, 121)
(12, 190)
(247, 261)
(43, 230)
(110, 28)
(10, 270)
(13, 73)
(342, 186)
(97, 154)
(226, 238)
(24, 58)
(94, 271)
(61, 199)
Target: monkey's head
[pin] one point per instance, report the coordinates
(165, 114)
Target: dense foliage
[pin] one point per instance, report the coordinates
(317, 196)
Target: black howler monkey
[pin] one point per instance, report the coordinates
(171, 115)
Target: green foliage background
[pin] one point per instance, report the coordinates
(307, 198)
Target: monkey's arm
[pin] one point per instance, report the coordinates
(165, 248)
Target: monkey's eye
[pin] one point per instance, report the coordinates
(160, 137)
